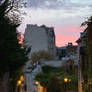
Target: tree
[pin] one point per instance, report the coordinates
(52, 78)
(89, 20)
(12, 55)
(11, 9)
(56, 86)
(36, 56)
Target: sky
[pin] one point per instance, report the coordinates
(65, 16)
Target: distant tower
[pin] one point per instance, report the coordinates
(40, 38)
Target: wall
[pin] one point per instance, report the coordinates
(40, 38)
(4, 83)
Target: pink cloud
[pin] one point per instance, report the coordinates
(69, 28)
(62, 40)
(67, 34)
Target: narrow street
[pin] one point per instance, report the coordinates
(45, 46)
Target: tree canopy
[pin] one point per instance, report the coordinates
(89, 20)
(36, 56)
(53, 79)
(12, 55)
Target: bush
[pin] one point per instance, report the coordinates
(36, 56)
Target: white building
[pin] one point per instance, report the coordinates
(40, 38)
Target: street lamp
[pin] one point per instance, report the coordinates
(18, 86)
(65, 79)
(69, 80)
(19, 83)
(22, 78)
(36, 82)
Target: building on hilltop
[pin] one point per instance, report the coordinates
(40, 38)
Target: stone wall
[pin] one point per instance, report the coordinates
(36, 37)
(4, 83)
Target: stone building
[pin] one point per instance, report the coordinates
(81, 53)
(85, 60)
(40, 38)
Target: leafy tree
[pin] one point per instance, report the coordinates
(89, 20)
(12, 9)
(53, 79)
(12, 55)
(43, 78)
(36, 56)
(54, 87)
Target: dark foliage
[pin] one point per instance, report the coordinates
(54, 85)
(52, 78)
(12, 55)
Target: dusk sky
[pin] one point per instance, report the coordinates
(65, 16)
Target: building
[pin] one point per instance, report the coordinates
(60, 52)
(85, 60)
(71, 52)
(4, 83)
(81, 46)
(71, 49)
(40, 38)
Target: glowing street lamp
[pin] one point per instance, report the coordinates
(19, 83)
(22, 78)
(65, 79)
(69, 80)
(36, 82)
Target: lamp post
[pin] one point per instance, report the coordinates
(37, 86)
(36, 82)
(20, 84)
(66, 80)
